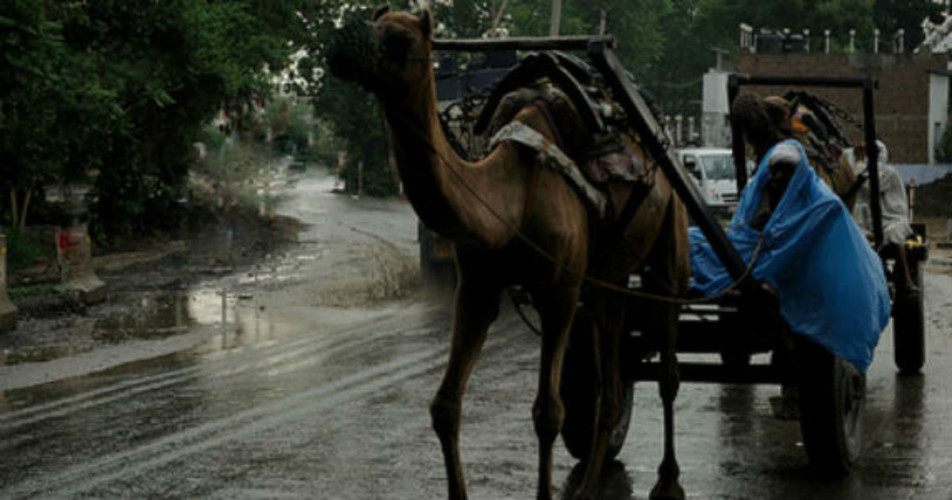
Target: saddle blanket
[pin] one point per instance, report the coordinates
(830, 283)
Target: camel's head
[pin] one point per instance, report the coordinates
(389, 54)
(763, 122)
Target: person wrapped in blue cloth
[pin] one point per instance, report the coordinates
(829, 283)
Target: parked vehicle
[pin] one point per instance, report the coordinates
(713, 172)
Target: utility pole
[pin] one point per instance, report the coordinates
(556, 19)
(719, 53)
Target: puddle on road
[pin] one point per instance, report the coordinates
(149, 316)
(139, 315)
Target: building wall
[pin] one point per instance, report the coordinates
(901, 102)
(938, 110)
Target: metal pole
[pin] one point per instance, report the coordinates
(872, 163)
(556, 19)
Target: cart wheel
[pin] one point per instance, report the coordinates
(578, 396)
(832, 397)
(909, 325)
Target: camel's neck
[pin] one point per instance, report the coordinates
(438, 182)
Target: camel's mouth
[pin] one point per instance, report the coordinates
(351, 51)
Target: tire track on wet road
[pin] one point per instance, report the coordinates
(197, 439)
(223, 367)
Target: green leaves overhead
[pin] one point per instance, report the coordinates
(121, 87)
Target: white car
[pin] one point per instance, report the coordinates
(713, 171)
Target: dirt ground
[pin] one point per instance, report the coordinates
(53, 324)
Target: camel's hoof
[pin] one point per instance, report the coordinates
(671, 491)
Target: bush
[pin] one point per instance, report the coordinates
(23, 249)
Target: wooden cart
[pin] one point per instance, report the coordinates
(745, 321)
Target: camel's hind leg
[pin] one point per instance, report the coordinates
(608, 308)
(670, 260)
(668, 486)
(556, 309)
(476, 307)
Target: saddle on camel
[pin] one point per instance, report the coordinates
(525, 214)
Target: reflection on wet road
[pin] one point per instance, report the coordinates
(299, 413)
(130, 434)
(293, 400)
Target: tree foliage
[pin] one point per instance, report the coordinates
(121, 88)
(893, 15)
(114, 92)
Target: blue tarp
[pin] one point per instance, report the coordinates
(830, 284)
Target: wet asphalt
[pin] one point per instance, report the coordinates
(297, 397)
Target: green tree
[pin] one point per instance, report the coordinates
(893, 15)
(170, 66)
(351, 114)
(357, 118)
(46, 96)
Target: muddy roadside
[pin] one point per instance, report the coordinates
(316, 251)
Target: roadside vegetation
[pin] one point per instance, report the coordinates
(113, 95)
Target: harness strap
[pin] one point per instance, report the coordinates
(552, 156)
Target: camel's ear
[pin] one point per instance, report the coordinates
(379, 11)
(426, 23)
(794, 104)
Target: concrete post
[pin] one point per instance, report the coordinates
(8, 311)
(74, 253)
(678, 130)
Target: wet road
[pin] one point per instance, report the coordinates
(304, 400)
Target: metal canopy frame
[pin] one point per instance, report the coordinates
(867, 85)
(600, 50)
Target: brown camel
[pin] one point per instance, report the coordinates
(767, 121)
(503, 235)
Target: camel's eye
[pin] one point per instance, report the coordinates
(396, 45)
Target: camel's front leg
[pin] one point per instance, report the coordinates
(476, 308)
(668, 487)
(557, 309)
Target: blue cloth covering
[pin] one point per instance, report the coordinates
(830, 284)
